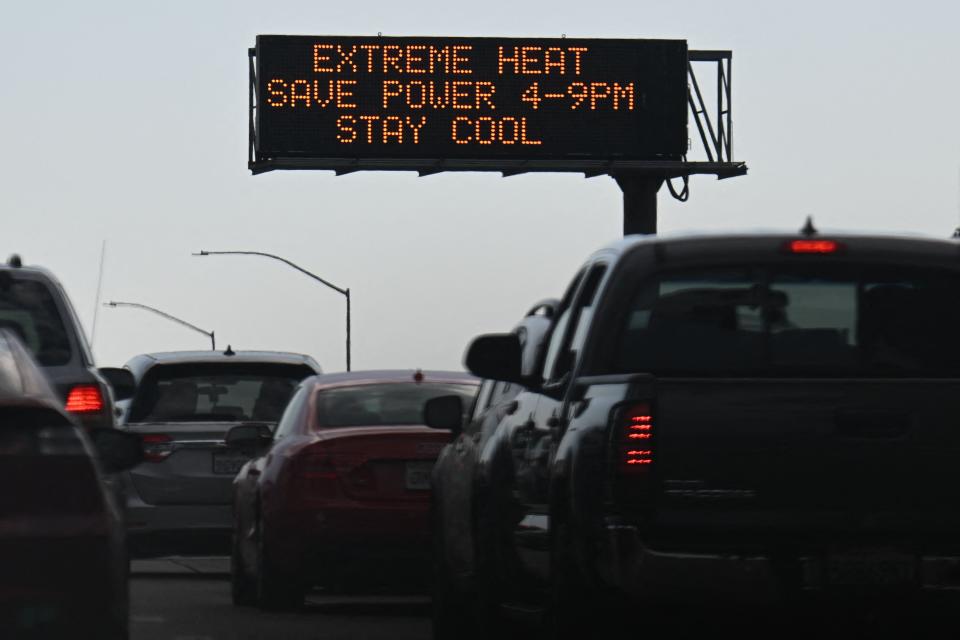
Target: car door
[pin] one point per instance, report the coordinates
(247, 484)
(453, 489)
(538, 442)
(459, 474)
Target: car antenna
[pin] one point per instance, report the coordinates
(229, 351)
(808, 228)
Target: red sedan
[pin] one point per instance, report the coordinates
(339, 496)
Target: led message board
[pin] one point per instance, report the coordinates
(470, 98)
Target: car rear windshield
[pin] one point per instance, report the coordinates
(822, 320)
(28, 308)
(384, 404)
(216, 392)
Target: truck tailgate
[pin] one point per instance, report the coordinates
(809, 456)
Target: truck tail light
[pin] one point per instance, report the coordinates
(85, 398)
(157, 447)
(813, 247)
(636, 441)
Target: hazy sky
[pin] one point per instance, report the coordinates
(126, 122)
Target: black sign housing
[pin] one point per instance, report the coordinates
(486, 99)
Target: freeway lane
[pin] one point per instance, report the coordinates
(189, 599)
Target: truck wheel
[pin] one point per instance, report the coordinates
(452, 610)
(491, 576)
(573, 611)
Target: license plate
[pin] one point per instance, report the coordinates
(418, 475)
(228, 462)
(879, 569)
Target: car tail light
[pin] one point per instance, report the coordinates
(85, 398)
(814, 247)
(21, 441)
(24, 441)
(317, 476)
(157, 447)
(60, 442)
(635, 429)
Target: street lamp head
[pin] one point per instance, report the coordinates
(202, 253)
(110, 304)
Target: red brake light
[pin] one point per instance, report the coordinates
(814, 246)
(85, 398)
(318, 477)
(156, 446)
(636, 439)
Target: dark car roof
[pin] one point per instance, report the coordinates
(390, 375)
(141, 363)
(83, 357)
(30, 270)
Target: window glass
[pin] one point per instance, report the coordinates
(216, 392)
(696, 322)
(291, 414)
(29, 310)
(585, 305)
(556, 341)
(812, 322)
(384, 404)
(845, 320)
(563, 347)
(483, 398)
(559, 331)
(908, 322)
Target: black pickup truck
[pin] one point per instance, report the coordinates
(714, 420)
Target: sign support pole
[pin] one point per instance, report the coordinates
(639, 202)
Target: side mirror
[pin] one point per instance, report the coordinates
(444, 412)
(249, 437)
(121, 380)
(495, 356)
(118, 450)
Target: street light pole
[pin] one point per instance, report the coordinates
(209, 334)
(343, 292)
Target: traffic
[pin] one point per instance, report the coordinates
(564, 371)
(750, 426)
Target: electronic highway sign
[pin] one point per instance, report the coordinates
(406, 102)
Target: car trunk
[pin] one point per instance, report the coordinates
(199, 468)
(384, 463)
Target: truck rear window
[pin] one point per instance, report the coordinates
(818, 320)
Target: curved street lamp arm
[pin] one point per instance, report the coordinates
(344, 292)
(284, 260)
(209, 334)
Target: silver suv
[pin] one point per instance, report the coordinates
(179, 498)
